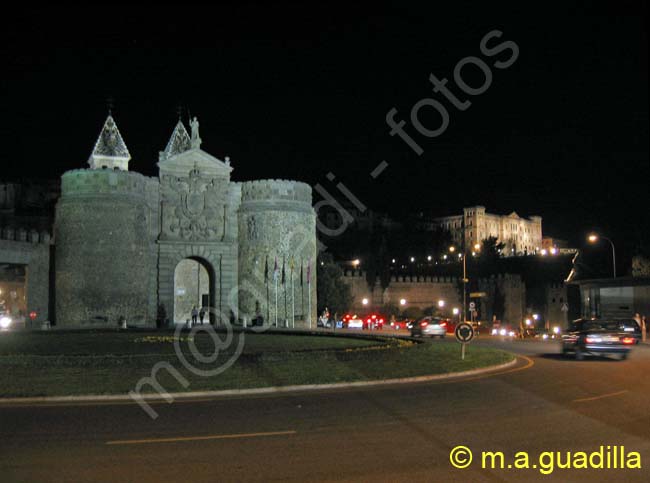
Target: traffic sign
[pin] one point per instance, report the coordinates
(472, 305)
(565, 307)
(464, 333)
(477, 295)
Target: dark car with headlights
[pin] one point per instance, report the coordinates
(596, 337)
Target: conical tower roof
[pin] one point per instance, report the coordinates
(110, 150)
(178, 143)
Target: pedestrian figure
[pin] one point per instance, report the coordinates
(201, 315)
(195, 314)
(644, 328)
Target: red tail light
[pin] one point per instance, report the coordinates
(443, 324)
(424, 324)
(628, 340)
(381, 320)
(374, 316)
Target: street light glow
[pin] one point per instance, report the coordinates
(364, 301)
(402, 301)
(452, 249)
(441, 303)
(455, 311)
(593, 238)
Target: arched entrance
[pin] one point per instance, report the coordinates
(194, 286)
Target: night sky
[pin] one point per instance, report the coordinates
(296, 92)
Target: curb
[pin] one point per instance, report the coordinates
(169, 397)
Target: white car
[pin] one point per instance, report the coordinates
(355, 324)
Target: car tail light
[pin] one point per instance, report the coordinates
(424, 324)
(591, 340)
(443, 324)
(381, 321)
(628, 340)
(374, 316)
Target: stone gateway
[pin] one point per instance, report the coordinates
(145, 249)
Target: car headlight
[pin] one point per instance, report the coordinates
(5, 322)
(502, 332)
(545, 336)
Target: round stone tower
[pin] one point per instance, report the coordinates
(105, 251)
(277, 252)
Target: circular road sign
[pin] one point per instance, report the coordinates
(472, 305)
(464, 332)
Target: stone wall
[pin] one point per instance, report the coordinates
(277, 224)
(513, 290)
(425, 291)
(556, 297)
(417, 291)
(104, 249)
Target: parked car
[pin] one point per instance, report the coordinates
(352, 321)
(596, 337)
(400, 324)
(431, 326)
(373, 322)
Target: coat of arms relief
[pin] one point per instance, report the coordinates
(193, 207)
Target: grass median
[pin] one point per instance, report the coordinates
(59, 364)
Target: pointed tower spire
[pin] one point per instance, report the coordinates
(179, 142)
(110, 150)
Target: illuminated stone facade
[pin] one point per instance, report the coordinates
(121, 238)
(519, 235)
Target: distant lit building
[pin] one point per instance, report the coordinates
(519, 235)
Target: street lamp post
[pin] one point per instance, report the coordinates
(593, 238)
(452, 249)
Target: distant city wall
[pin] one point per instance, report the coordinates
(425, 291)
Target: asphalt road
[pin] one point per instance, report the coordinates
(387, 433)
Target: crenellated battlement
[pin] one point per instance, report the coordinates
(22, 234)
(276, 190)
(103, 181)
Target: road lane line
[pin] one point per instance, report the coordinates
(200, 438)
(594, 398)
